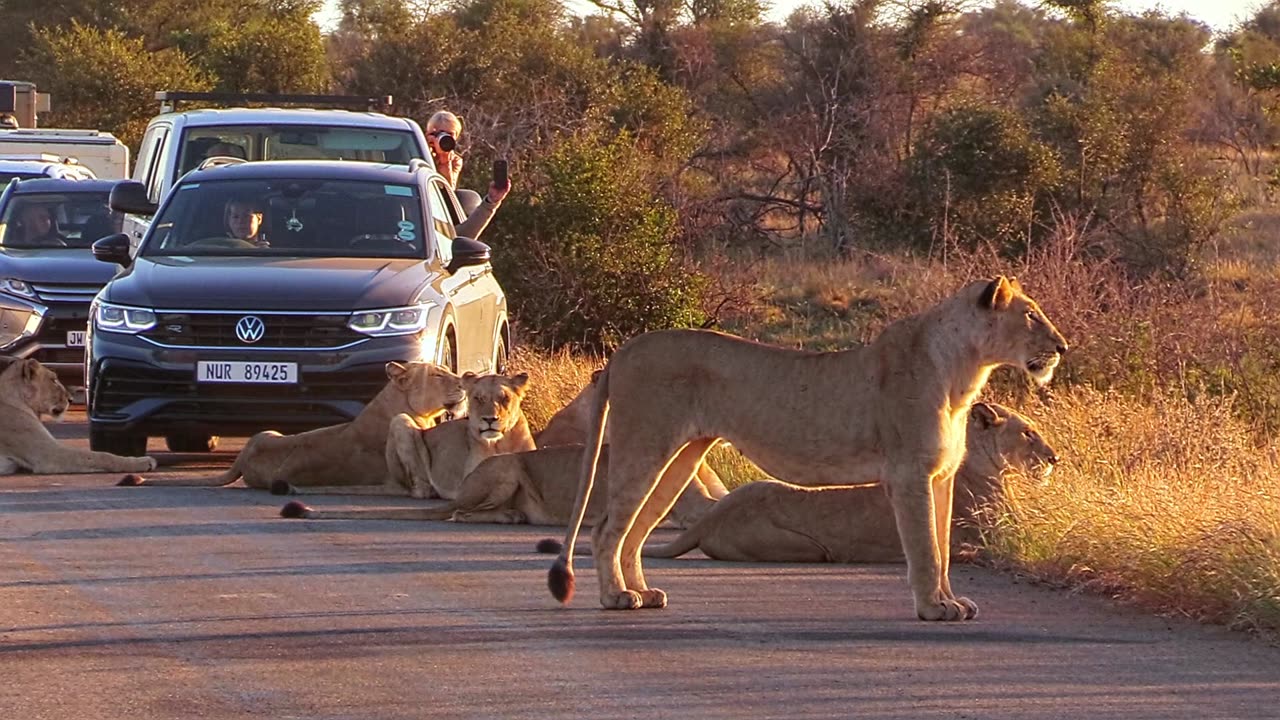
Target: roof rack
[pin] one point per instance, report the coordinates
(169, 99)
(41, 157)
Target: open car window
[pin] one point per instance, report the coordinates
(290, 217)
(297, 142)
(57, 220)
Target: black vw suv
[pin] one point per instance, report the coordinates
(271, 295)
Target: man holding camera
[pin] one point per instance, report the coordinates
(444, 130)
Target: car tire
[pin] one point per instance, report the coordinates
(500, 354)
(191, 442)
(128, 444)
(448, 352)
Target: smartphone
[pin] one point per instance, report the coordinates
(500, 174)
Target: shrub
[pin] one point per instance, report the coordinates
(587, 253)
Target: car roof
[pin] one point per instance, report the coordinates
(45, 167)
(290, 116)
(305, 169)
(63, 185)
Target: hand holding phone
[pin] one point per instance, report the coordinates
(500, 179)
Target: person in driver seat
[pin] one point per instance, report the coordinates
(243, 220)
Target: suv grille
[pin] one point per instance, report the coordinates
(64, 293)
(176, 329)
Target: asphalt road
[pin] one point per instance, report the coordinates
(202, 603)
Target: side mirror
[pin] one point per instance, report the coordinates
(467, 253)
(130, 197)
(468, 199)
(113, 249)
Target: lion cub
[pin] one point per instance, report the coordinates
(28, 390)
(773, 521)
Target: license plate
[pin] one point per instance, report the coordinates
(236, 371)
(75, 338)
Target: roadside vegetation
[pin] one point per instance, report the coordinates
(806, 182)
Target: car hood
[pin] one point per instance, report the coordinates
(65, 266)
(244, 283)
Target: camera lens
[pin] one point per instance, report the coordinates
(446, 142)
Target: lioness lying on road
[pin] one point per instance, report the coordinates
(535, 487)
(28, 390)
(895, 409)
(339, 455)
(773, 521)
(433, 462)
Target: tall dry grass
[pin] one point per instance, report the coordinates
(1169, 504)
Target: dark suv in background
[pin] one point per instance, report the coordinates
(48, 276)
(352, 265)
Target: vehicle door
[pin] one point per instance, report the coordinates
(149, 171)
(474, 339)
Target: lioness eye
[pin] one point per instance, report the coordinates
(1032, 316)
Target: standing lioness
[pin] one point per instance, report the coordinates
(895, 409)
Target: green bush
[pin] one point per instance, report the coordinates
(586, 253)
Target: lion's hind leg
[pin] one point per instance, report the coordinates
(488, 493)
(672, 481)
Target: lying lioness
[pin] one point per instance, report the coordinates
(340, 454)
(773, 521)
(433, 462)
(28, 390)
(535, 487)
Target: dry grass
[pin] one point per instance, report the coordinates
(1170, 505)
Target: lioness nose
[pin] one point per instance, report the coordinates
(489, 419)
(1053, 459)
(1062, 348)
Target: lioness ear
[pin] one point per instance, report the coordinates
(29, 369)
(398, 374)
(985, 415)
(997, 295)
(519, 383)
(469, 380)
(595, 375)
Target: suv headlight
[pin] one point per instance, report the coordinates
(18, 288)
(118, 318)
(391, 321)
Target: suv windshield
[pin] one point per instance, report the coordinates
(305, 217)
(57, 220)
(297, 142)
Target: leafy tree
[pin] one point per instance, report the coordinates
(587, 256)
(104, 79)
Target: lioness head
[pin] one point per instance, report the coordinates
(1017, 330)
(493, 403)
(427, 387)
(36, 386)
(1000, 439)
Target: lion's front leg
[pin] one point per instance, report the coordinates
(408, 457)
(59, 459)
(912, 494)
(943, 494)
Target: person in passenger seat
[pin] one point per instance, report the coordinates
(449, 164)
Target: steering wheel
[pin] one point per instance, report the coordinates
(220, 242)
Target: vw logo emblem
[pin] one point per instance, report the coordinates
(250, 329)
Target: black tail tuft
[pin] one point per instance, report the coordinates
(131, 480)
(547, 546)
(294, 510)
(281, 487)
(560, 580)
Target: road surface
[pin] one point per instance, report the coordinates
(202, 603)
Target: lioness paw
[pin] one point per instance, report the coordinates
(653, 598)
(281, 487)
(948, 610)
(625, 600)
(149, 463)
